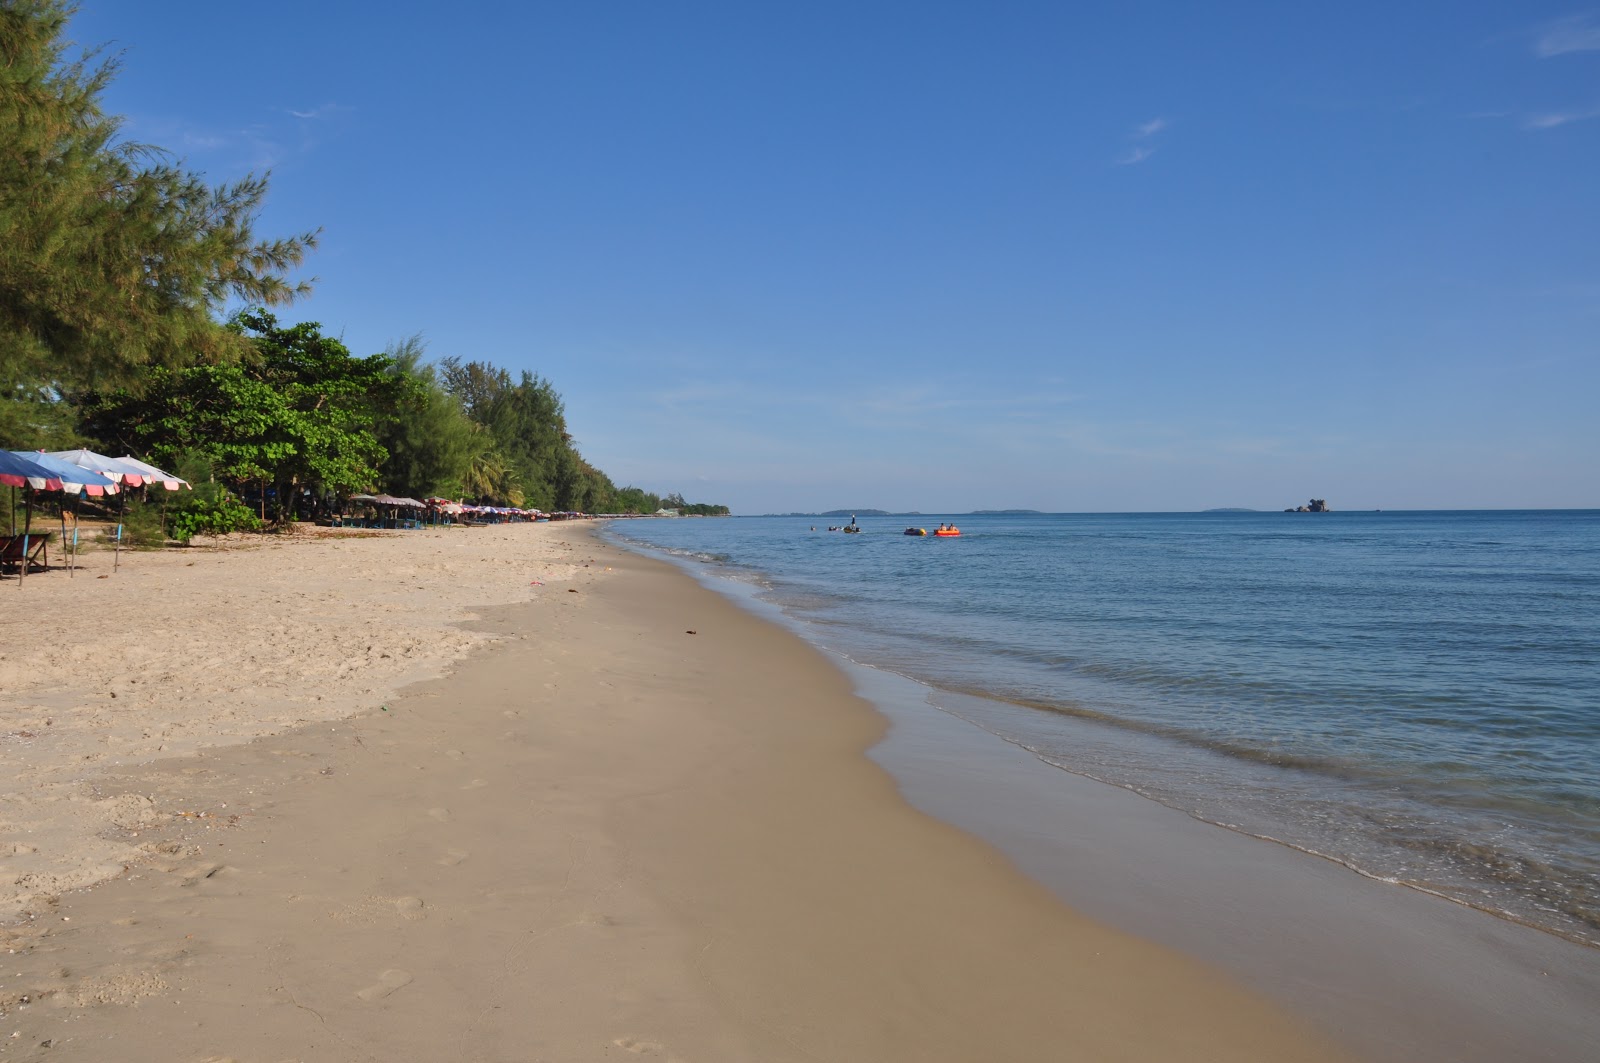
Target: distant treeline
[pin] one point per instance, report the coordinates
(115, 267)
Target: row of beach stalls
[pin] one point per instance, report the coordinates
(390, 511)
(74, 474)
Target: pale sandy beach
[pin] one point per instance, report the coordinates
(632, 821)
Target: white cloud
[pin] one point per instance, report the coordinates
(1141, 137)
(316, 112)
(1553, 119)
(1575, 33)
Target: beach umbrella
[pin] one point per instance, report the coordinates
(76, 481)
(18, 470)
(73, 478)
(126, 475)
(15, 472)
(153, 475)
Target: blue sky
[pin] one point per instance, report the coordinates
(945, 256)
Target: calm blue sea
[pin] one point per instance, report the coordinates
(1415, 695)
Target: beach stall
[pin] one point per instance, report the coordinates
(443, 510)
(401, 512)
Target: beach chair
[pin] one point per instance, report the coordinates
(38, 556)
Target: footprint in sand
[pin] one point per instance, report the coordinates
(410, 907)
(646, 1048)
(452, 857)
(639, 1047)
(476, 784)
(442, 815)
(387, 983)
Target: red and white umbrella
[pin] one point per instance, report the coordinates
(124, 474)
(153, 475)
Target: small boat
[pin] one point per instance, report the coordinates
(947, 533)
(916, 531)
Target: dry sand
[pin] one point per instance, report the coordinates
(634, 822)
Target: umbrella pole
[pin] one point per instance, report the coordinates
(77, 514)
(122, 500)
(64, 531)
(27, 526)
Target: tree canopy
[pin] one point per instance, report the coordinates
(299, 410)
(111, 257)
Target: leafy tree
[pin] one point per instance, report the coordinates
(632, 500)
(299, 412)
(330, 400)
(431, 441)
(527, 423)
(110, 257)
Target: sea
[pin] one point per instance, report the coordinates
(1415, 695)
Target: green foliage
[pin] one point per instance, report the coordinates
(632, 500)
(210, 510)
(430, 441)
(299, 411)
(34, 417)
(141, 525)
(110, 259)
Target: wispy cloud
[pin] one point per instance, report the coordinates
(283, 135)
(323, 111)
(1575, 33)
(1552, 119)
(1141, 146)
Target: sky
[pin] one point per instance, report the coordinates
(1086, 257)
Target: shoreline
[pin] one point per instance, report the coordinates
(1396, 972)
(1185, 659)
(600, 836)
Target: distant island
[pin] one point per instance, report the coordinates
(911, 513)
(1316, 505)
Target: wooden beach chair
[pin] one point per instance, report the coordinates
(38, 556)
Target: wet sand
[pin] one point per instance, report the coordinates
(633, 822)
